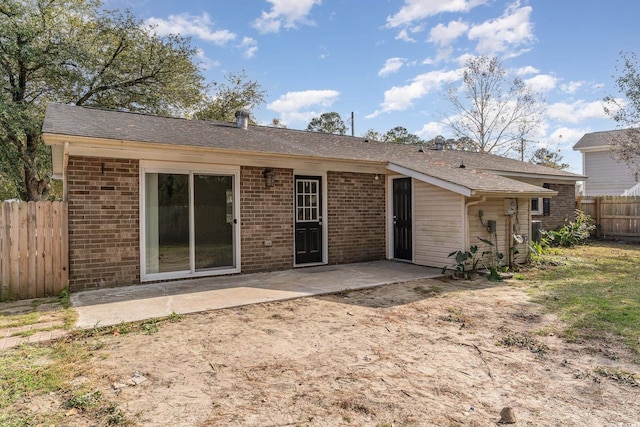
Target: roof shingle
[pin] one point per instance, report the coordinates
(479, 173)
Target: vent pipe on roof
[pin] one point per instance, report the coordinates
(439, 141)
(242, 119)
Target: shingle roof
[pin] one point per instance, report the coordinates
(599, 139)
(477, 175)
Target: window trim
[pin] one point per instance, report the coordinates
(544, 204)
(540, 204)
(190, 169)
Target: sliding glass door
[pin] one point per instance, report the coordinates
(189, 224)
(213, 221)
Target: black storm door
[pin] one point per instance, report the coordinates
(402, 220)
(308, 219)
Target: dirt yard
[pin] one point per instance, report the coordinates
(412, 354)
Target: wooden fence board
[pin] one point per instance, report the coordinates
(55, 247)
(14, 250)
(40, 277)
(5, 259)
(31, 250)
(34, 258)
(48, 254)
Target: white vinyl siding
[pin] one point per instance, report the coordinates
(493, 209)
(606, 176)
(438, 224)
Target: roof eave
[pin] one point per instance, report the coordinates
(593, 148)
(447, 185)
(516, 194)
(573, 177)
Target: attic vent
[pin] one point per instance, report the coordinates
(242, 119)
(439, 141)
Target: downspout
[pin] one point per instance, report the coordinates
(65, 163)
(466, 214)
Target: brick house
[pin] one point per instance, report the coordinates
(155, 198)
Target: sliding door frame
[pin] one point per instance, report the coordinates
(190, 169)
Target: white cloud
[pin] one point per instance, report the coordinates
(523, 71)
(512, 29)
(541, 82)
(250, 47)
(416, 10)
(399, 98)
(392, 65)
(571, 87)
(576, 112)
(565, 136)
(291, 105)
(404, 36)
(287, 13)
(184, 24)
(444, 35)
(431, 130)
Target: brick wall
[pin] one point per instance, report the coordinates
(562, 207)
(356, 210)
(103, 196)
(266, 213)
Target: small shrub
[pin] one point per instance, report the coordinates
(466, 262)
(572, 233)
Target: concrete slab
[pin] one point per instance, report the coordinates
(105, 307)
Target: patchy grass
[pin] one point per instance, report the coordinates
(430, 291)
(512, 339)
(30, 371)
(40, 371)
(619, 376)
(594, 288)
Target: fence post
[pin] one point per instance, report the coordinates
(598, 217)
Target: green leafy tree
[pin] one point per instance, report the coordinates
(626, 112)
(372, 135)
(546, 157)
(401, 135)
(237, 93)
(328, 123)
(494, 112)
(74, 52)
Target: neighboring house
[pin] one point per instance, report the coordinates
(154, 198)
(607, 176)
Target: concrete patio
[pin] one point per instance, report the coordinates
(104, 307)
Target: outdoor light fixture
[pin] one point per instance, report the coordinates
(376, 177)
(269, 177)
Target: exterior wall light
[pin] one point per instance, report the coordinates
(269, 177)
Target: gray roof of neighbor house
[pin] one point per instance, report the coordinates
(602, 139)
(482, 172)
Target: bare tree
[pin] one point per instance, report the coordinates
(492, 111)
(626, 112)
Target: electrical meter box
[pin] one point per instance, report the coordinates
(510, 206)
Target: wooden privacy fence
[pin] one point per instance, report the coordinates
(34, 257)
(615, 216)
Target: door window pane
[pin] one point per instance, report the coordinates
(167, 222)
(213, 221)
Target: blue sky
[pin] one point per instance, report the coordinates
(387, 60)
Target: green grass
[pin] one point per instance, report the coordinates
(594, 288)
